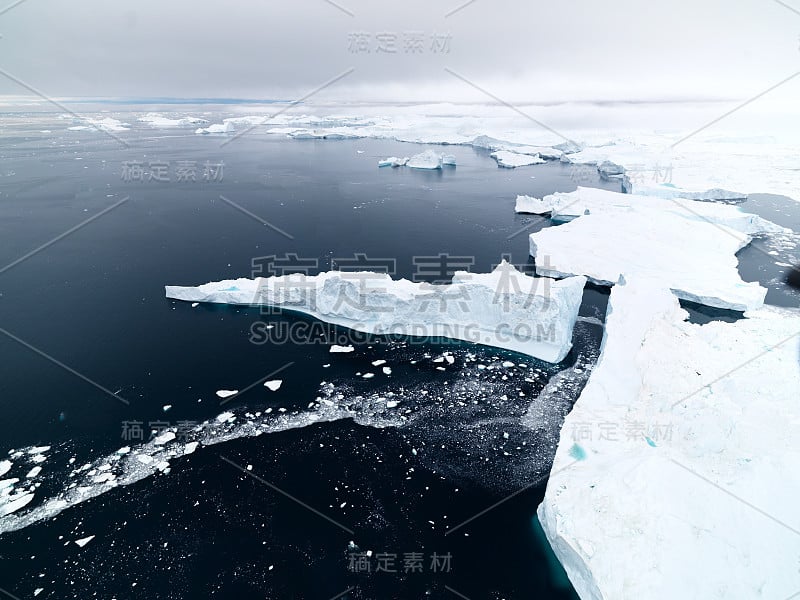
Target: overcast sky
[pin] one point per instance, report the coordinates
(517, 50)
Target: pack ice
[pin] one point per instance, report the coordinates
(505, 308)
(687, 246)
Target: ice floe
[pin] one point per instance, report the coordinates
(511, 160)
(273, 385)
(688, 246)
(504, 308)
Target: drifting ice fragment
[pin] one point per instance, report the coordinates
(83, 541)
(341, 349)
(511, 160)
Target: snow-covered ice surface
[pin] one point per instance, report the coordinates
(687, 246)
(676, 473)
(505, 308)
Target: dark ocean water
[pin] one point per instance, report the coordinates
(315, 497)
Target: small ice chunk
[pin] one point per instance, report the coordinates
(14, 503)
(83, 541)
(5, 467)
(166, 407)
(336, 348)
(165, 437)
(378, 363)
(190, 447)
(33, 472)
(227, 393)
(274, 384)
(368, 375)
(387, 370)
(195, 304)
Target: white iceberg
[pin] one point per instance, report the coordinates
(531, 205)
(504, 308)
(426, 160)
(159, 121)
(688, 246)
(676, 474)
(512, 160)
(273, 385)
(393, 161)
(226, 127)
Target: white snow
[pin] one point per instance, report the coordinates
(5, 467)
(226, 393)
(688, 246)
(511, 160)
(83, 541)
(505, 308)
(692, 491)
(274, 385)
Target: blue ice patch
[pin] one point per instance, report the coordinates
(577, 452)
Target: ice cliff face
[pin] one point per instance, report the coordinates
(505, 308)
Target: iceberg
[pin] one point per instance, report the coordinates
(512, 160)
(505, 308)
(226, 127)
(688, 246)
(426, 160)
(676, 471)
(393, 161)
(532, 206)
(159, 121)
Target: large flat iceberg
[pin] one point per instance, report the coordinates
(688, 247)
(676, 473)
(504, 308)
